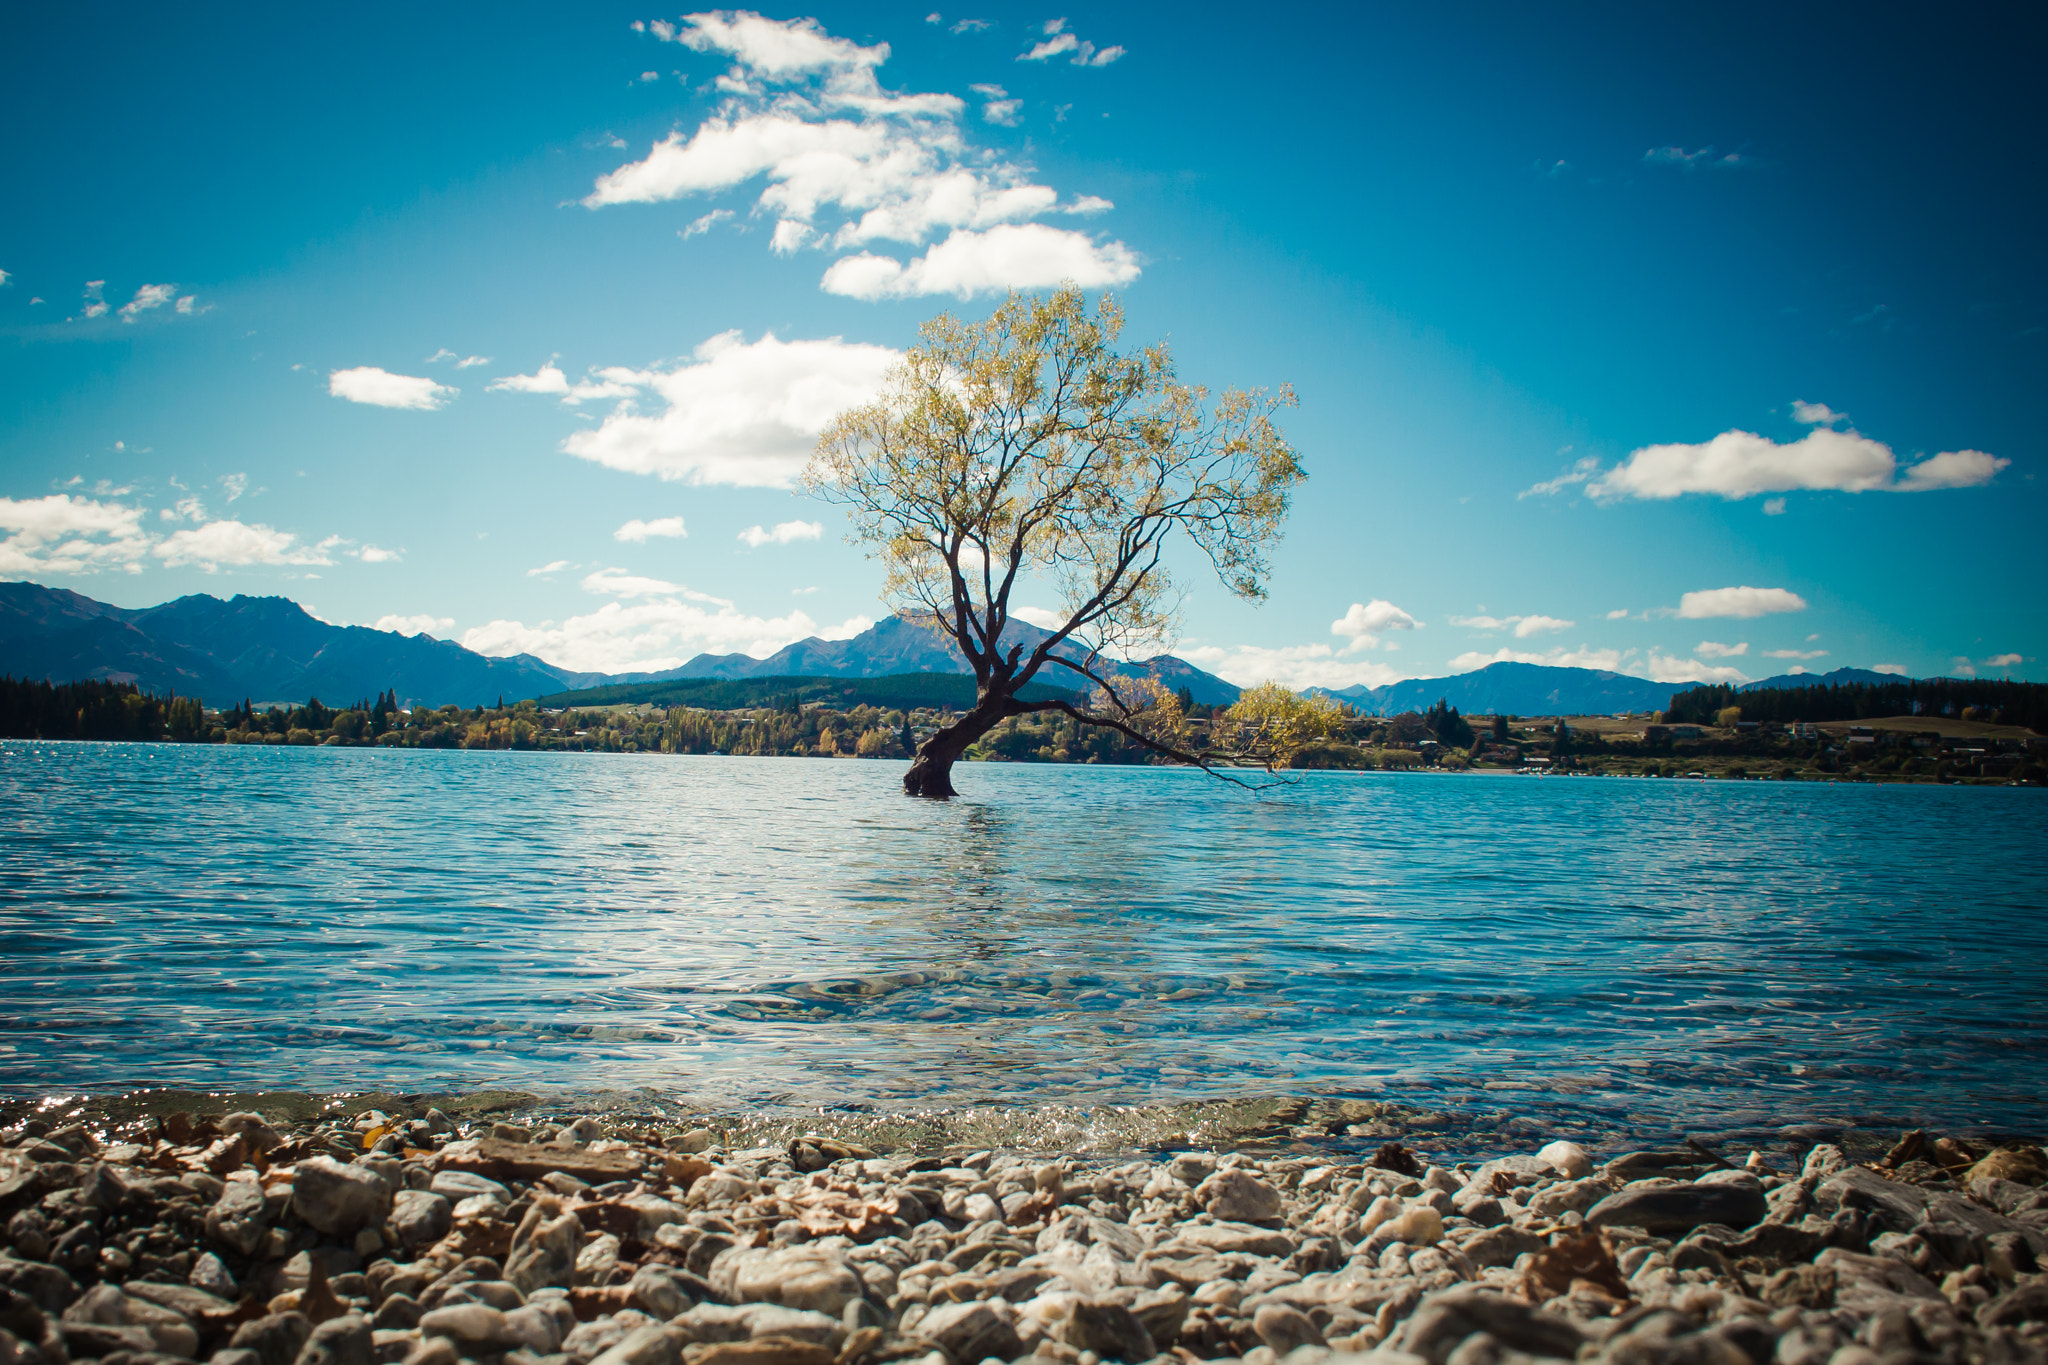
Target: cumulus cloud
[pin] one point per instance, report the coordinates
(660, 631)
(1297, 666)
(2004, 661)
(784, 533)
(1742, 464)
(1816, 414)
(1742, 603)
(639, 532)
(1523, 626)
(1059, 40)
(847, 164)
(1365, 621)
(1043, 618)
(1618, 614)
(148, 297)
(415, 625)
(555, 566)
(62, 534)
(998, 107)
(968, 262)
(738, 413)
(235, 544)
(371, 554)
(611, 382)
(380, 388)
(1715, 650)
(1664, 668)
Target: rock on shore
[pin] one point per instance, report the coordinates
(375, 1241)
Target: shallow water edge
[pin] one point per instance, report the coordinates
(1267, 1125)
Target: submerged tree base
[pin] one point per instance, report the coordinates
(928, 778)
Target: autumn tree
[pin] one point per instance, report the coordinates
(1027, 447)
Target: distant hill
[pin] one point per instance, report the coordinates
(269, 649)
(1835, 679)
(1517, 690)
(259, 648)
(897, 645)
(902, 691)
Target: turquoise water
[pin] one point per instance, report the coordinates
(733, 931)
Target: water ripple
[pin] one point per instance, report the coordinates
(735, 931)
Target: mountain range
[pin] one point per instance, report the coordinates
(270, 649)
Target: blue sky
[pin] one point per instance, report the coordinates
(1708, 346)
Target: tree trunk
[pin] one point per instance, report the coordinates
(931, 772)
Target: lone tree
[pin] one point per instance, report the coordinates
(1026, 446)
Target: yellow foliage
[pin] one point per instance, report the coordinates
(1269, 724)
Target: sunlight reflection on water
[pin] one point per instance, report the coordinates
(738, 931)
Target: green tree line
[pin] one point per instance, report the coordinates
(2010, 703)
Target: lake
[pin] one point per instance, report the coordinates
(1530, 954)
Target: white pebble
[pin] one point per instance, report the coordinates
(1568, 1157)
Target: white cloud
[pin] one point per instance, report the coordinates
(1743, 603)
(1618, 614)
(704, 223)
(1059, 41)
(1951, 469)
(1364, 621)
(1741, 464)
(784, 533)
(639, 531)
(1692, 161)
(1896, 670)
(235, 544)
(62, 534)
(845, 163)
(660, 632)
(470, 362)
(1774, 507)
(1664, 668)
(415, 625)
(1795, 654)
(1715, 650)
(186, 306)
(1584, 468)
(371, 554)
(549, 379)
(148, 297)
(1041, 617)
(1015, 256)
(1524, 626)
(741, 413)
(381, 388)
(1297, 666)
(555, 567)
(234, 485)
(1816, 414)
(1538, 625)
(2004, 661)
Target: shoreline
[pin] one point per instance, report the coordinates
(328, 1230)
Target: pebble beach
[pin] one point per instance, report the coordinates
(412, 1236)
